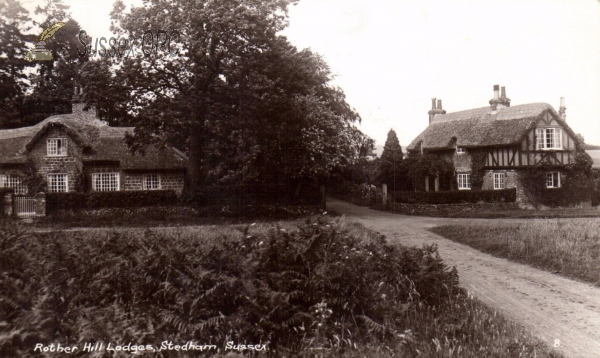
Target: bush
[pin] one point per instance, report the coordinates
(4, 191)
(596, 197)
(359, 194)
(109, 199)
(454, 197)
(295, 289)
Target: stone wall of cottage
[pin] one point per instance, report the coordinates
(168, 181)
(70, 164)
(512, 179)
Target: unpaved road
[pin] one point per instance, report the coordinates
(551, 306)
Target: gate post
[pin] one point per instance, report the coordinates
(8, 204)
(40, 204)
(384, 194)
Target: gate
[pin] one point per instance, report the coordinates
(25, 206)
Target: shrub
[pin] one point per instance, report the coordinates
(292, 288)
(453, 197)
(359, 194)
(110, 199)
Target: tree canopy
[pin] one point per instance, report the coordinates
(391, 167)
(246, 105)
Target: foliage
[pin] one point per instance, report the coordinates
(456, 196)
(391, 169)
(359, 194)
(290, 289)
(33, 179)
(478, 157)
(576, 182)
(420, 166)
(245, 104)
(108, 199)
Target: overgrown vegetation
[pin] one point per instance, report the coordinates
(577, 184)
(452, 197)
(327, 287)
(571, 248)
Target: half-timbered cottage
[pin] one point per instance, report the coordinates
(79, 152)
(504, 139)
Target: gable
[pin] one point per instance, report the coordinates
(549, 119)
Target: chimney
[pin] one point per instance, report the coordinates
(432, 112)
(562, 111)
(435, 109)
(499, 101)
(77, 105)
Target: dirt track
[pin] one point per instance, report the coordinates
(551, 306)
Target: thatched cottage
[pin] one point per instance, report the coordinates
(504, 140)
(79, 152)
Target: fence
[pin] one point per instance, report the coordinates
(24, 206)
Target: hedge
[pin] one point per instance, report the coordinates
(4, 191)
(457, 196)
(596, 197)
(109, 199)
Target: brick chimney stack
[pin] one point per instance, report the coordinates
(562, 111)
(499, 101)
(435, 109)
(77, 105)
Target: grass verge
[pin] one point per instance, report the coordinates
(571, 248)
(488, 211)
(322, 286)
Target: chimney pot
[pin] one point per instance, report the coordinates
(439, 104)
(433, 103)
(503, 93)
(496, 91)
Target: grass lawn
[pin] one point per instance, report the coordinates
(489, 211)
(324, 286)
(566, 246)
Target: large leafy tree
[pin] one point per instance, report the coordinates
(14, 44)
(52, 83)
(246, 105)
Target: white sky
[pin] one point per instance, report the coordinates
(392, 56)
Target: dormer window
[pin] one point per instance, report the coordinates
(460, 150)
(549, 138)
(56, 147)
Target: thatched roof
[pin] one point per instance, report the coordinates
(480, 128)
(105, 143)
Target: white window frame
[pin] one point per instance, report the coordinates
(105, 181)
(460, 150)
(147, 179)
(549, 138)
(553, 180)
(13, 181)
(499, 181)
(464, 181)
(52, 188)
(53, 149)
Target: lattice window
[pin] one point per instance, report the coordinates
(464, 181)
(460, 150)
(56, 147)
(13, 181)
(151, 182)
(549, 138)
(105, 182)
(58, 183)
(499, 181)
(553, 180)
